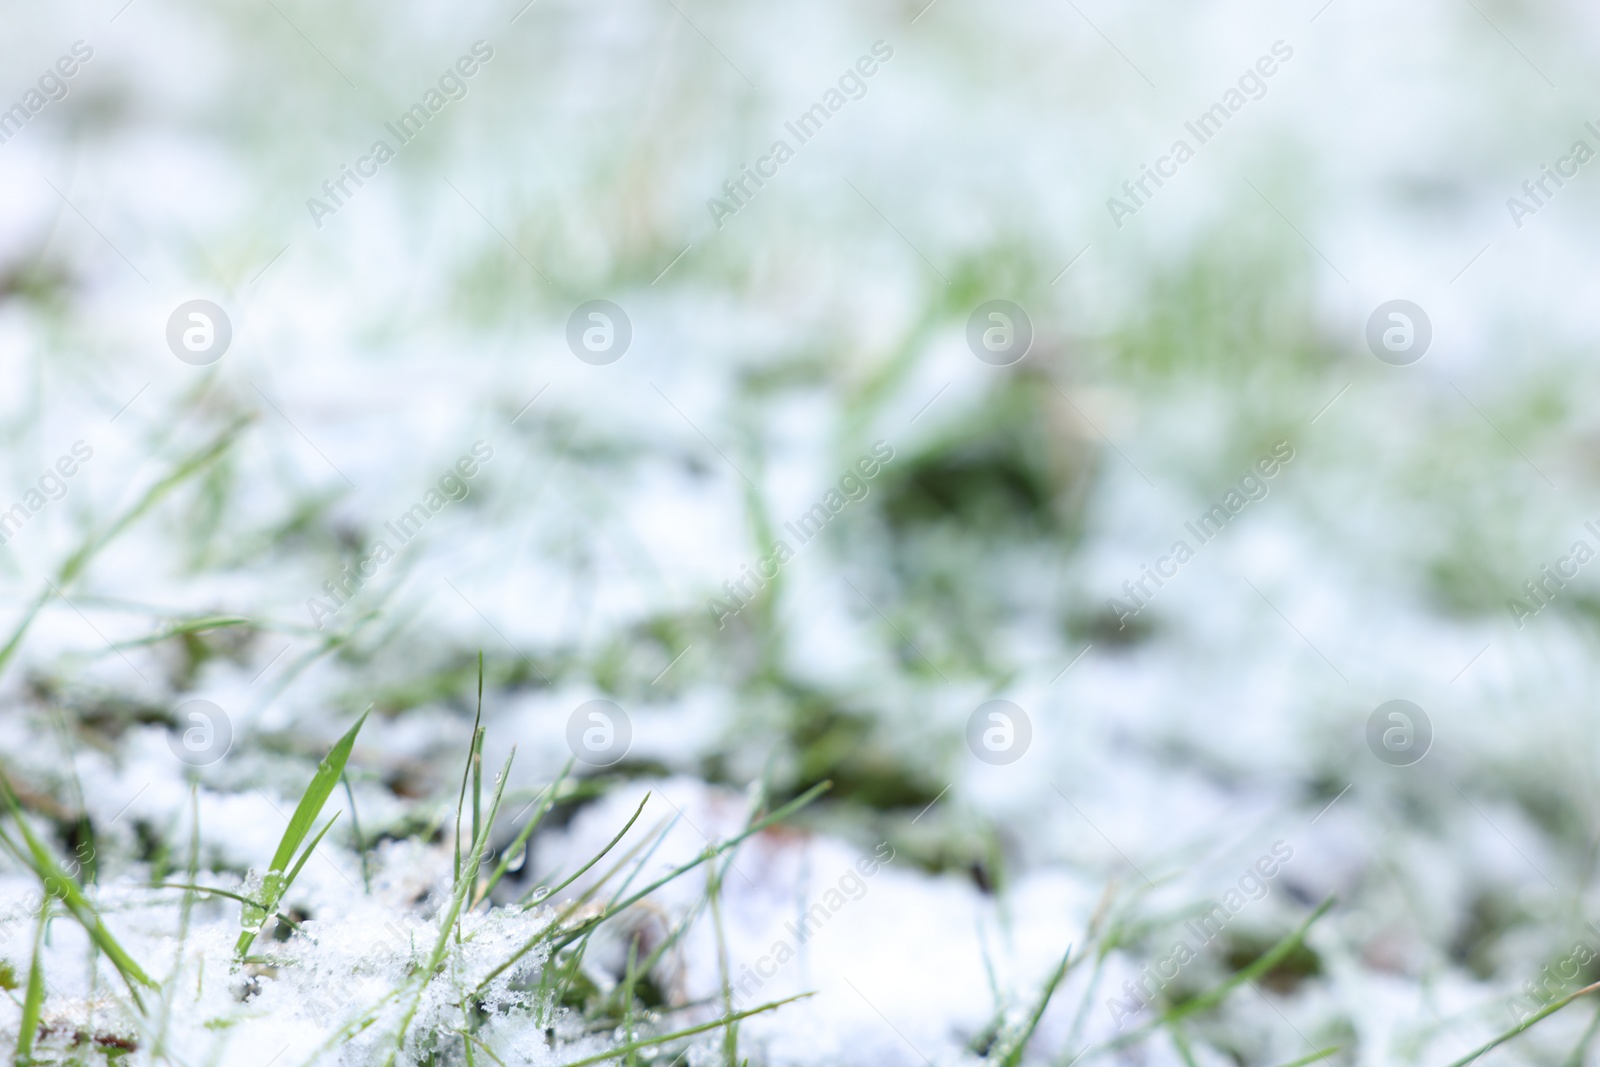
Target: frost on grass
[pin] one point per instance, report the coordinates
(331, 992)
(977, 565)
(414, 963)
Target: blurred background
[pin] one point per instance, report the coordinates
(756, 343)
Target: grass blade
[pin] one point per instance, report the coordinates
(91, 546)
(548, 802)
(633, 1046)
(730, 1033)
(1575, 1058)
(458, 899)
(584, 928)
(474, 755)
(485, 1048)
(192, 888)
(1208, 1000)
(598, 856)
(1181, 1043)
(301, 862)
(1547, 1011)
(1268, 960)
(305, 815)
(316, 794)
(782, 813)
(355, 827)
(57, 882)
(181, 629)
(1014, 1055)
(477, 757)
(169, 992)
(629, 979)
(33, 1006)
(1320, 1054)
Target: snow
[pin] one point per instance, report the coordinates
(375, 349)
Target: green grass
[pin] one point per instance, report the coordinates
(552, 959)
(74, 565)
(277, 880)
(33, 1004)
(1009, 1051)
(1225, 319)
(1532, 1020)
(33, 854)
